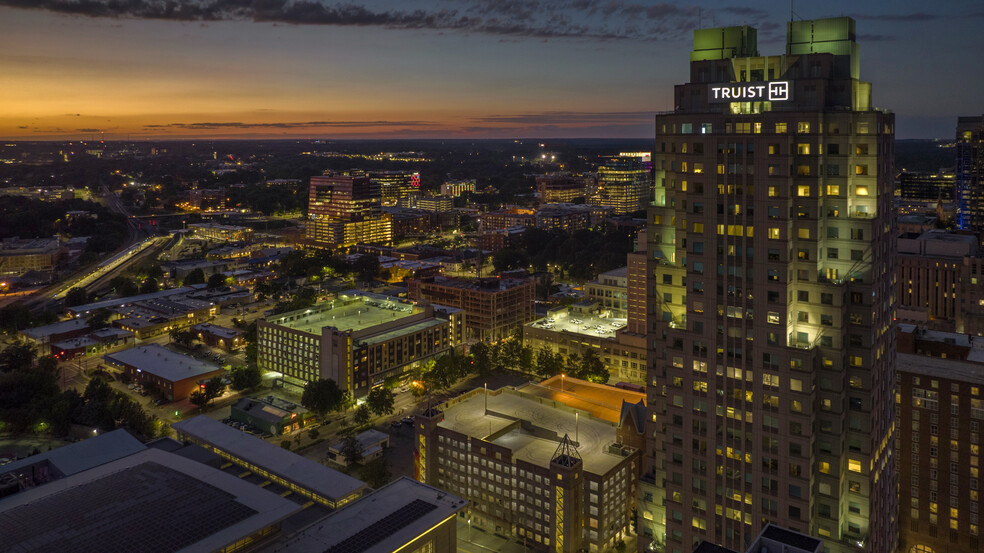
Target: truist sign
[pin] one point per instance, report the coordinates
(772, 91)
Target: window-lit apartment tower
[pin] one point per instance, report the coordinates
(970, 173)
(770, 299)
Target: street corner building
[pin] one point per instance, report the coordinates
(770, 309)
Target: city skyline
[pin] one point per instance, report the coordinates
(443, 69)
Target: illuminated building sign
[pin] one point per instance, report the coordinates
(774, 91)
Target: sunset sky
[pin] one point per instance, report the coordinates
(75, 69)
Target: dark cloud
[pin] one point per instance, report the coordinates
(918, 16)
(569, 118)
(611, 20)
(288, 125)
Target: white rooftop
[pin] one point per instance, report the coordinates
(162, 362)
(318, 478)
(382, 522)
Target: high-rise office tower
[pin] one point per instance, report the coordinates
(625, 183)
(970, 173)
(344, 209)
(770, 304)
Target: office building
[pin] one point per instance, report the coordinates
(18, 256)
(970, 173)
(224, 233)
(344, 210)
(940, 281)
(610, 290)
(940, 412)
(927, 186)
(455, 188)
(771, 305)
(506, 218)
(560, 188)
(534, 469)
(174, 374)
(397, 187)
(493, 308)
(625, 183)
(358, 340)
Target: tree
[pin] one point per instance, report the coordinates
(351, 449)
(482, 358)
(196, 276)
(376, 473)
(217, 280)
(366, 267)
(322, 396)
(18, 356)
(123, 287)
(199, 399)
(246, 378)
(214, 388)
(99, 318)
(362, 415)
(149, 286)
(381, 401)
(592, 368)
(76, 296)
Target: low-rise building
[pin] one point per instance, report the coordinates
(298, 474)
(534, 469)
(271, 414)
(174, 374)
(372, 445)
(229, 339)
(358, 340)
(404, 516)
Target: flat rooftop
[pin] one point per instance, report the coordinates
(304, 472)
(382, 522)
(152, 501)
(162, 362)
(506, 406)
(84, 455)
(601, 400)
(953, 369)
(120, 302)
(41, 332)
(346, 313)
(582, 324)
